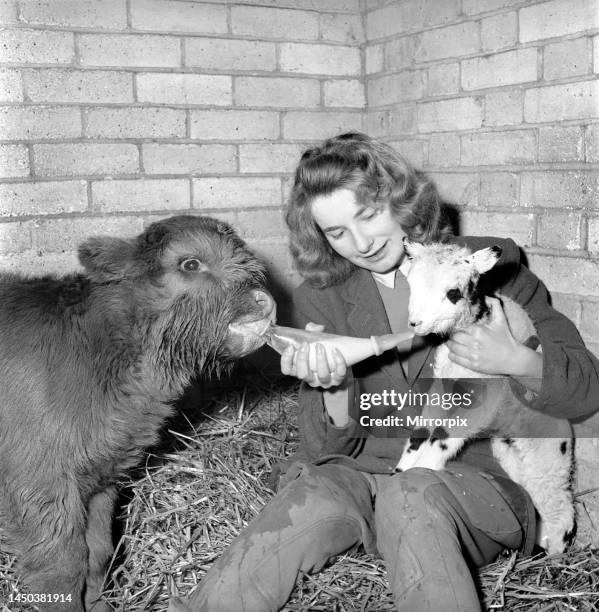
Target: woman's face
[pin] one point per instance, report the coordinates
(371, 238)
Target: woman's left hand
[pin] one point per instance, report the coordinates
(489, 347)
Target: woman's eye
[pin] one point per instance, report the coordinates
(335, 235)
(190, 265)
(369, 213)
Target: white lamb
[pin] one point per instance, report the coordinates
(445, 297)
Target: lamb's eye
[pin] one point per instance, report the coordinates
(454, 295)
(190, 265)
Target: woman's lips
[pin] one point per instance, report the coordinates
(378, 254)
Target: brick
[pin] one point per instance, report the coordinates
(141, 195)
(457, 188)
(33, 264)
(255, 224)
(188, 158)
(444, 150)
(592, 143)
(560, 189)
(407, 16)
(8, 12)
(499, 189)
(78, 13)
(237, 125)
(344, 93)
(227, 54)
(170, 16)
(344, 28)
(128, 50)
(590, 320)
(135, 123)
(92, 86)
(557, 18)
(561, 102)
(451, 41)
(449, 115)
(519, 227)
(474, 7)
(507, 68)
(14, 161)
(320, 59)
(315, 126)
(561, 231)
(393, 88)
(504, 108)
(499, 32)
(79, 159)
(400, 53)
(415, 151)
(560, 144)
(496, 148)
(14, 237)
(194, 89)
(277, 92)
(11, 89)
(566, 59)
(443, 79)
(567, 305)
(236, 192)
(374, 58)
(571, 275)
(403, 119)
(41, 198)
(593, 236)
(39, 122)
(36, 47)
(268, 158)
(274, 23)
(63, 235)
(377, 124)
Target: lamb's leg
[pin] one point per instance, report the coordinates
(543, 466)
(428, 449)
(99, 541)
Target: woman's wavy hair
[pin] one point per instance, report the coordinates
(377, 174)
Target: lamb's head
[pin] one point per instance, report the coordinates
(443, 281)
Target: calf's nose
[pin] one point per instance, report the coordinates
(264, 300)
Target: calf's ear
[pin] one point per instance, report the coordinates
(107, 259)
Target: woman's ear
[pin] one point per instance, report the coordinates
(107, 259)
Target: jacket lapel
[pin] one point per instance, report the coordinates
(367, 317)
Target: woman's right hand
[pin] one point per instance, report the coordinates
(313, 364)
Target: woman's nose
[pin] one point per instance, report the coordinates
(362, 242)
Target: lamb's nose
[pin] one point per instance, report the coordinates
(414, 323)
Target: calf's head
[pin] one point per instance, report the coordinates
(190, 285)
(443, 281)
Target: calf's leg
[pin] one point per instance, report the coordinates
(99, 541)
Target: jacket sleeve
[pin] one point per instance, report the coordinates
(318, 434)
(570, 383)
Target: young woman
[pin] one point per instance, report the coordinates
(354, 200)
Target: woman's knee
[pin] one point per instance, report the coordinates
(410, 497)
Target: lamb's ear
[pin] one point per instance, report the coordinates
(107, 259)
(485, 259)
(412, 249)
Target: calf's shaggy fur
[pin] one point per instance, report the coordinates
(444, 298)
(89, 366)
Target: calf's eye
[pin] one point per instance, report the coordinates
(190, 265)
(454, 295)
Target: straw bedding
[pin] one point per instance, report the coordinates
(209, 478)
